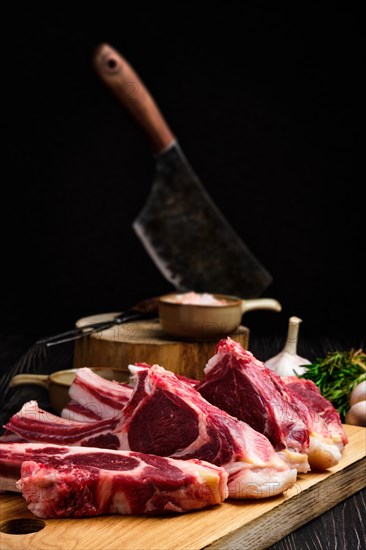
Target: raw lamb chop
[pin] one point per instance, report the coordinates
(168, 417)
(327, 436)
(240, 384)
(59, 481)
(237, 382)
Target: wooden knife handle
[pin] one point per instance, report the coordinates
(124, 82)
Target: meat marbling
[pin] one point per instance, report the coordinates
(59, 481)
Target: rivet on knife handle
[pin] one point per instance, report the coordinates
(129, 89)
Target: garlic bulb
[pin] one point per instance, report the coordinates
(287, 362)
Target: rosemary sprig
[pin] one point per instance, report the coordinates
(336, 375)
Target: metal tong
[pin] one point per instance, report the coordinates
(146, 309)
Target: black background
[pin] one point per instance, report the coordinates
(266, 106)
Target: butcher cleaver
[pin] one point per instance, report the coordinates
(184, 232)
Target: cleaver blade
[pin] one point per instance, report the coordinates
(180, 226)
(189, 239)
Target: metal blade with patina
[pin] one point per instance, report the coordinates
(189, 239)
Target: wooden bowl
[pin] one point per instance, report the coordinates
(202, 322)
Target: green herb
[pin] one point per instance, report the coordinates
(336, 375)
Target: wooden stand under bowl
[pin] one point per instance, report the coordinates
(145, 341)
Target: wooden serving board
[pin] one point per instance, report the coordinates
(253, 525)
(145, 341)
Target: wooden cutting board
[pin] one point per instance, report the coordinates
(145, 341)
(253, 525)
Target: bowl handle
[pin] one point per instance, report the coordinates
(37, 379)
(260, 303)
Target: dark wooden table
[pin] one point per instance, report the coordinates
(342, 527)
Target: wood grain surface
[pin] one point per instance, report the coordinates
(235, 524)
(145, 341)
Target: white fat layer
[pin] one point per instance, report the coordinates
(83, 397)
(211, 363)
(259, 483)
(134, 369)
(323, 455)
(295, 460)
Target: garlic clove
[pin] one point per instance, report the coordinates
(287, 362)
